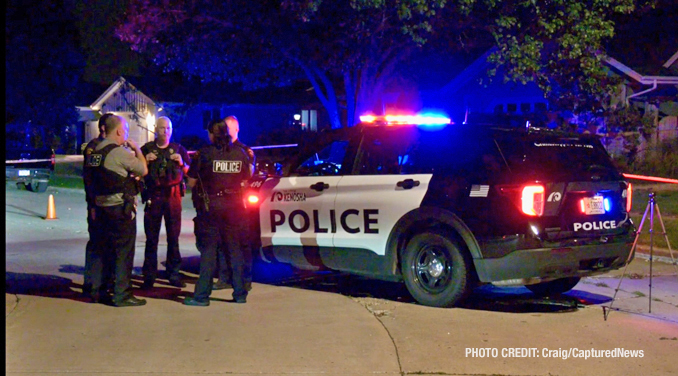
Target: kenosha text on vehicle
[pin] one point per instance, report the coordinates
(445, 207)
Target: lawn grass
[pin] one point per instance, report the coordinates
(65, 181)
(666, 204)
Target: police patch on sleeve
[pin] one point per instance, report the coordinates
(93, 160)
(226, 167)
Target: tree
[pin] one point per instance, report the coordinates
(350, 51)
(107, 58)
(42, 68)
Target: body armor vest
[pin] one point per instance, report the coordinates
(224, 169)
(163, 172)
(107, 182)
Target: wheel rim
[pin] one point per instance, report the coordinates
(432, 269)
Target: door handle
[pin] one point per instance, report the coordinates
(408, 184)
(320, 186)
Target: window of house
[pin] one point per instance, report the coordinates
(498, 109)
(511, 107)
(525, 107)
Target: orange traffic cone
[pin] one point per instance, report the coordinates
(51, 208)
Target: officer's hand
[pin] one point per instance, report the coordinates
(150, 157)
(132, 144)
(177, 158)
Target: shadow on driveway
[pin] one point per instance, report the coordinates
(484, 298)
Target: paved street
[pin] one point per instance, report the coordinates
(302, 323)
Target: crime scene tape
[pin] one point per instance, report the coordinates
(27, 160)
(651, 178)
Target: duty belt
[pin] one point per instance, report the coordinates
(226, 192)
(163, 191)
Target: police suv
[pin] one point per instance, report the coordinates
(445, 207)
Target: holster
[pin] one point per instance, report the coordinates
(128, 206)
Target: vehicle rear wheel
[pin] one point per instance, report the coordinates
(37, 186)
(436, 270)
(555, 287)
(21, 186)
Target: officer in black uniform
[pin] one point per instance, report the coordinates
(114, 177)
(87, 166)
(221, 168)
(167, 164)
(224, 270)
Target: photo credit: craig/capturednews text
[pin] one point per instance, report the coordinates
(535, 352)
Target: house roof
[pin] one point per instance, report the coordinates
(114, 88)
(645, 80)
(672, 61)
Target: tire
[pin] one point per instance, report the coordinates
(436, 270)
(21, 186)
(555, 287)
(37, 186)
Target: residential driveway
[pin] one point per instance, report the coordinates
(302, 323)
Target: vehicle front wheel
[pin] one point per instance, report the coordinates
(436, 270)
(555, 287)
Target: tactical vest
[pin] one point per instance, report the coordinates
(223, 170)
(106, 182)
(164, 172)
(90, 160)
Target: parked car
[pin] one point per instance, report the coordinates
(446, 207)
(30, 168)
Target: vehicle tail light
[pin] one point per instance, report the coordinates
(53, 159)
(532, 200)
(629, 197)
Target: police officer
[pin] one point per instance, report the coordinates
(114, 174)
(221, 168)
(167, 164)
(224, 270)
(89, 198)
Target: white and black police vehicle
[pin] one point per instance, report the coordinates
(445, 207)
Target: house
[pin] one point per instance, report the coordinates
(465, 98)
(191, 112)
(124, 99)
(654, 93)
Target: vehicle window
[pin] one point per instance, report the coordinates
(326, 162)
(454, 150)
(557, 157)
(384, 154)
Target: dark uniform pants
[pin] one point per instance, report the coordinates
(114, 248)
(89, 251)
(222, 226)
(169, 208)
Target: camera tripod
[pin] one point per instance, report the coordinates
(651, 206)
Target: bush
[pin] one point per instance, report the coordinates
(662, 161)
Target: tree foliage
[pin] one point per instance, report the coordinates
(107, 58)
(350, 50)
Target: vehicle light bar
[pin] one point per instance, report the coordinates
(406, 119)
